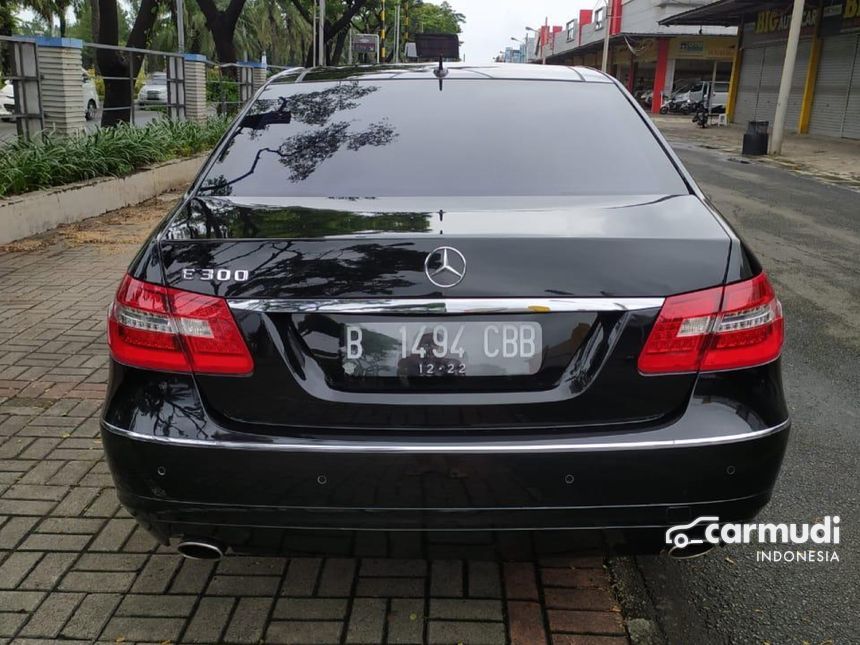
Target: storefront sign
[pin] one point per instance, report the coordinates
(771, 25)
(840, 17)
(711, 48)
(774, 20)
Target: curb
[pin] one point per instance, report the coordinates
(36, 212)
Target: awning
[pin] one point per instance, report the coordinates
(725, 13)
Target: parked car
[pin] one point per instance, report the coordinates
(90, 98)
(154, 90)
(698, 93)
(7, 101)
(471, 339)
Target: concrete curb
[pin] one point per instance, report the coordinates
(32, 213)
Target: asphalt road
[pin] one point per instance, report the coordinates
(807, 235)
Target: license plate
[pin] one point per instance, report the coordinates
(438, 350)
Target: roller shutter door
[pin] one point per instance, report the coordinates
(748, 84)
(768, 89)
(851, 126)
(834, 86)
(758, 89)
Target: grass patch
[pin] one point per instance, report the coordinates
(110, 152)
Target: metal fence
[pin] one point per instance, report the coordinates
(140, 85)
(228, 87)
(153, 85)
(20, 87)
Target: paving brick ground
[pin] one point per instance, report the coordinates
(75, 567)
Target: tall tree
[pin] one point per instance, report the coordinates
(47, 10)
(7, 24)
(222, 25)
(119, 93)
(338, 20)
(434, 18)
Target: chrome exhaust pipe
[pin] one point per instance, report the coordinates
(200, 549)
(690, 551)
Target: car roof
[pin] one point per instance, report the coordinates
(498, 71)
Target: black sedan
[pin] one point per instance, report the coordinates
(403, 299)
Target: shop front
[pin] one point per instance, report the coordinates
(825, 86)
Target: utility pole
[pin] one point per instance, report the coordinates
(543, 38)
(397, 35)
(382, 44)
(321, 38)
(607, 20)
(787, 74)
(180, 26)
(314, 32)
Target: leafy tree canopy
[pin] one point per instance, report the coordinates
(434, 18)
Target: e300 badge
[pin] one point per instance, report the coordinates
(216, 275)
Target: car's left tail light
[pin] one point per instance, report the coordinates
(160, 328)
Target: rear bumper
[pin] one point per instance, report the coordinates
(181, 487)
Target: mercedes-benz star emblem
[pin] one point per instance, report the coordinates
(445, 267)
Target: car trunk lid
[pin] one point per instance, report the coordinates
(587, 273)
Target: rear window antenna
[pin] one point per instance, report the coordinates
(440, 72)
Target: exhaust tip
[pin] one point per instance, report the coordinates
(690, 551)
(200, 550)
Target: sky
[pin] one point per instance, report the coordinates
(491, 23)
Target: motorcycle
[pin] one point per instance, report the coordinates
(673, 106)
(701, 115)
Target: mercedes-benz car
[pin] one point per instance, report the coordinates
(153, 91)
(404, 298)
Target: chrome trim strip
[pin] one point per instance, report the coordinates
(447, 305)
(461, 447)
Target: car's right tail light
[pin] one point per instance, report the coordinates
(724, 328)
(159, 328)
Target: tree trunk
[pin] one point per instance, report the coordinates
(222, 25)
(62, 17)
(222, 34)
(119, 92)
(95, 20)
(5, 30)
(338, 48)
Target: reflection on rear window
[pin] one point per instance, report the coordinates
(473, 138)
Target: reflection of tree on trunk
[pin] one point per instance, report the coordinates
(302, 153)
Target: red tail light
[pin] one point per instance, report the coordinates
(160, 328)
(723, 328)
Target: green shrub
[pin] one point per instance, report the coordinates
(115, 152)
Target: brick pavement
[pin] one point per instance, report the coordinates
(75, 567)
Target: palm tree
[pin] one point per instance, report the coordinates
(47, 10)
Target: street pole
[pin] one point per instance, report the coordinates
(543, 38)
(606, 22)
(711, 89)
(314, 32)
(397, 35)
(382, 44)
(180, 26)
(787, 74)
(321, 37)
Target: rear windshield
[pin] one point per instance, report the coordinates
(387, 138)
